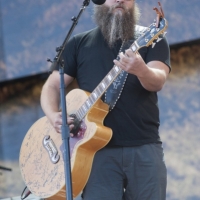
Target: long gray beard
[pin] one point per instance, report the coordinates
(115, 26)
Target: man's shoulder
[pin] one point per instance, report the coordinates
(85, 38)
(87, 33)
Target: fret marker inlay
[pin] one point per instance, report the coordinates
(95, 96)
(116, 68)
(103, 85)
(88, 103)
(84, 108)
(109, 77)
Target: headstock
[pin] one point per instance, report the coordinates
(154, 33)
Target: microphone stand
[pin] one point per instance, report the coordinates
(65, 128)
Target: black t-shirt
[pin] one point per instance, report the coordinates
(135, 117)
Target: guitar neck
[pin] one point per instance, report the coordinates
(101, 88)
(98, 92)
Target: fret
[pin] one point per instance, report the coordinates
(117, 69)
(106, 82)
(78, 115)
(87, 106)
(113, 73)
(79, 111)
(94, 95)
(84, 107)
(91, 97)
(98, 91)
(103, 85)
(134, 47)
(90, 100)
(82, 112)
(109, 77)
(88, 103)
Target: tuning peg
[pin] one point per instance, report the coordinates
(153, 45)
(164, 34)
(159, 39)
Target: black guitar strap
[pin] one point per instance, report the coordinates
(114, 91)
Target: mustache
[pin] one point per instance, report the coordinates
(118, 5)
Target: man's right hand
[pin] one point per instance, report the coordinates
(56, 121)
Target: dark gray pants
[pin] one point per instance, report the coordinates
(127, 173)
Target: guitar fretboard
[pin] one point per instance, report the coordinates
(98, 92)
(101, 88)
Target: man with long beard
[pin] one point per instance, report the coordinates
(130, 166)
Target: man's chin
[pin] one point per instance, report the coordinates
(119, 11)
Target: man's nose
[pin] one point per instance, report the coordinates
(119, 1)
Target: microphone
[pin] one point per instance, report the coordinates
(98, 2)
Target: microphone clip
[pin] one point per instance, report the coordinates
(86, 3)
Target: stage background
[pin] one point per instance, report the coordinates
(31, 30)
(29, 33)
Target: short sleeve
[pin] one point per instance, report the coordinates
(159, 52)
(69, 58)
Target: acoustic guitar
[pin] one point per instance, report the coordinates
(41, 158)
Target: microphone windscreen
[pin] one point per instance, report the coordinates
(98, 2)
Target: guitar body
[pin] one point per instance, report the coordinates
(41, 154)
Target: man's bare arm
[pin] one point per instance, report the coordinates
(50, 98)
(152, 75)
